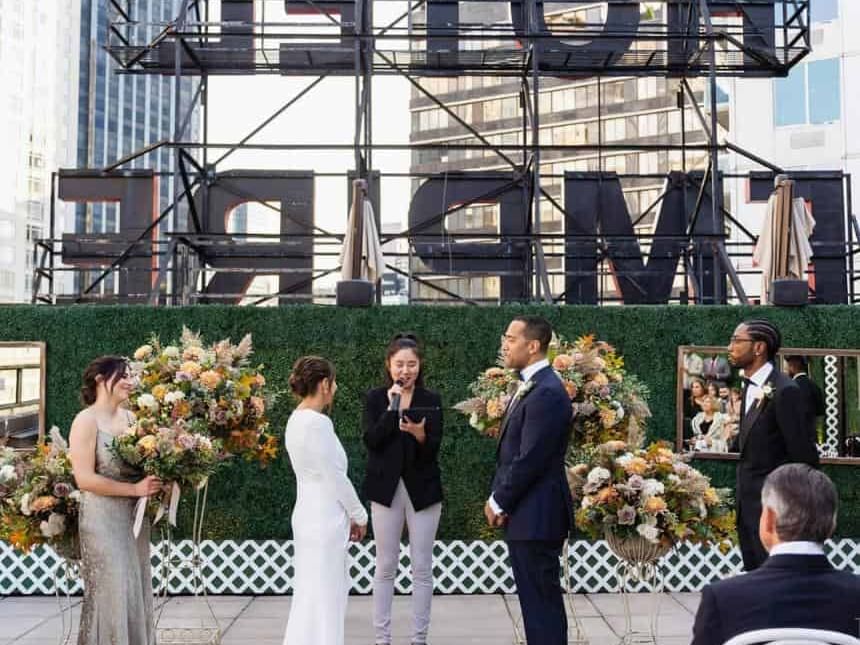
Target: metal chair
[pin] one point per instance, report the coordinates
(793, 636)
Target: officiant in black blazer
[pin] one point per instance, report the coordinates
(402, 432)
(774, 427)
(796, 586)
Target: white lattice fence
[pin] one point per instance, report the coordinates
(266, 567)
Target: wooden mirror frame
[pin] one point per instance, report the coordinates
(683, 350)
(42, 364)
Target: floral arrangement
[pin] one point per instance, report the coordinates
(195, 406)
(204, 390)
(39, 500)
(651, 493)
(492, 392)
(607, 402)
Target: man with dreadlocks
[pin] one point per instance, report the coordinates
(773, 427)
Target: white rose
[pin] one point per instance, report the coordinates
(598, 475)
(173, 397)
(650, 533)
(171, 351)
(7, 474)
(652, 487)
(56, 525)
(75, 495)
(147, 401)
(204, 442)
(624, 459)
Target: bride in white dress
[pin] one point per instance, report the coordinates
(328, 513)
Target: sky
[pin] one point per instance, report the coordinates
(325, 115)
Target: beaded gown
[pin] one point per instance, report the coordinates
(115, 566)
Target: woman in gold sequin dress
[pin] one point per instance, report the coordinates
(117, 608)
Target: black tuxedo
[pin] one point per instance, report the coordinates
(531, 487)
(786, 591)
(773, 432)
(393, 454)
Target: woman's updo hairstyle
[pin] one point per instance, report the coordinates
(307, 373)
(109, 368)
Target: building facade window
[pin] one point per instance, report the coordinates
(824, 10)
(811, 94)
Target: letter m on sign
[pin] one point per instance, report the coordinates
(599, 226)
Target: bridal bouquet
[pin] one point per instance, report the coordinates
(39, 500)
(208, 390)
(651, 493)
(608, 404)
(174, 454)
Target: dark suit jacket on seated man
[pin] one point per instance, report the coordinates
(796, 586)
(774, 428)
(531, 497)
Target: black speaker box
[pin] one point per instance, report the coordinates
(354, 293)
(788, 292)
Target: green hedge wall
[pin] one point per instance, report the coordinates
(246, 502)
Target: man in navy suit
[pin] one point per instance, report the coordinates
(796, 586)
(530, 497)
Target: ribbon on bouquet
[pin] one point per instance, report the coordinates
(173, 495)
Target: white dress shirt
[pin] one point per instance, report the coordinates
(754, 389)
(526, 375)
(797, 548)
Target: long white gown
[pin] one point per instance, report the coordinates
(325, 504)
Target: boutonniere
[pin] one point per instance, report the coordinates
(524, 389)
(764, 392)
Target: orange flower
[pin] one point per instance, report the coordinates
(210, 379)
(43, 503)
(191, 367)
(181, 409)
(655, 505)
(616, 446)
(606, 494)
(495, 408)
(571, 389)
(608, 417)
(563, 362)
(636, 466)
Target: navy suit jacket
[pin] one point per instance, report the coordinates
(786, 591)
(530, 484)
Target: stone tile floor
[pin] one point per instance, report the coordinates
(457, 620)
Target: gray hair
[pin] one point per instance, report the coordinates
(804, 500)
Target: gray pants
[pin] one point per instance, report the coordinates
(387, 529)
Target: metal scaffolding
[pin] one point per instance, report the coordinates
(765, 38)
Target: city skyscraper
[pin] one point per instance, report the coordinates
(118, 113)
(613, 110)
(38, 72)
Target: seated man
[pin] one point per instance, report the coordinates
(796, 586)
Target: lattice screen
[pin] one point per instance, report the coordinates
(265, 567)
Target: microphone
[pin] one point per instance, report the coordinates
(395, 398)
